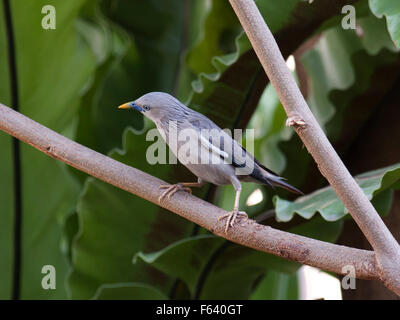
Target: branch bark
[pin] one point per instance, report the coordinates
(386, 248)
(313, 252)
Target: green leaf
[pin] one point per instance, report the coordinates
(391, 10)
(341, 66)
(192, 254)
(217, 72)
(326, 202)
(277, 286)
(231, 274)
(208, 264)
(116, 48)
(114, 225)
(50, 94)
(246, 265)
(342, 69)
(146, 57)
(219, 31)
(128, 291)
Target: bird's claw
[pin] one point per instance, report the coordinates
(171, 189)
(231, 218)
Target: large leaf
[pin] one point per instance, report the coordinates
(277, 286)
(219, 30)
(341, 66)
(207, 264)
(114, 225)
(53, 67)
(326, 202)
(146, 58)
(347, 76)
(191, 253)
(391, 10)
(113, 46)
(231, 274)
(245, 265)
(229, 86)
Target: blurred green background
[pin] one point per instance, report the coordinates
(107, 244)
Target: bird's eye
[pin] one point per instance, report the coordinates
(147, 108)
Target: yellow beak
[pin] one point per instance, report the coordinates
(124, 106)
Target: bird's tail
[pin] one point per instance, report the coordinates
(270, 178)
(276, 181)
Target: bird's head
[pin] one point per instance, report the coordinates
(155, 105)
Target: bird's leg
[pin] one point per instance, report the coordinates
(171, 189)
(231, 216)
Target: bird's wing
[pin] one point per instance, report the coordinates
(221, 144)
(209, 145)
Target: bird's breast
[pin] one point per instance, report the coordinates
(219, 174)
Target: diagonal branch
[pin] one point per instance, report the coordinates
(387, 250)
(313, 252)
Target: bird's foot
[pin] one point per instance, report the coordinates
(231, 218)
(171, 189)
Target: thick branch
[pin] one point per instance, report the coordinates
(316, 253)
(386, 248)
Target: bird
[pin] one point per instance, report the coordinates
(220, 159)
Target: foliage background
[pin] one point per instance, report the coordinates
(108, 244)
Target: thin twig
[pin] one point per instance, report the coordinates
(386, 248)
(313, 252)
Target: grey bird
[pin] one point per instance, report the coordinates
(219, 159)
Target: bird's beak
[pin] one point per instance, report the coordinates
(125, 106)
(130, 105)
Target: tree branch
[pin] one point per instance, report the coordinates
(313, 252)
(387, 250)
